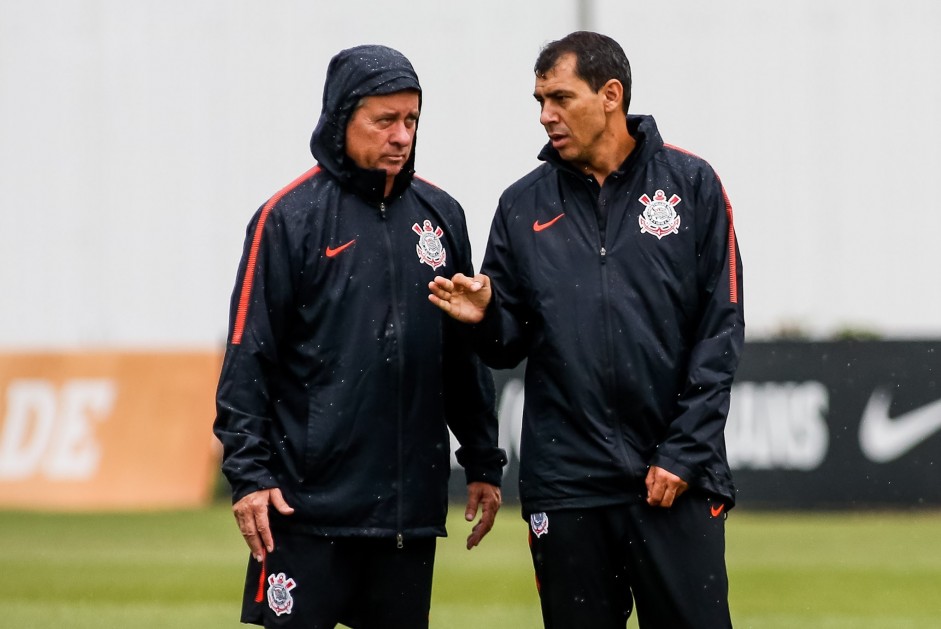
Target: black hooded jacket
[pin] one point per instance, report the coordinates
(626, 301)
(340, 378)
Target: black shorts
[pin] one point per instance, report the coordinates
(317, 582)
(593, 565)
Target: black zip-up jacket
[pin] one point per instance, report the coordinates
(626, 301)
(340, 378)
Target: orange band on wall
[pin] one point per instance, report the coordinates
(107, 430)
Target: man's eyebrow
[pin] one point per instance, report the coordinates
(551, 94)
(391, 112)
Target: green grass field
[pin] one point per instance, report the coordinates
(184, 570)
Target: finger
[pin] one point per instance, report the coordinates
(439, 295)
(484, 281)
(246, 524)
(653, 497)
(681, 488)
(473, 539)
(462, 283)
(262, 526)
(488, 516)
(470, 513)
(441, 287)
(277, 499)
(674, 491)
(444, 284)
(473, 502)
(247, 527)
(440, 303)
(489, 504)
(255, 547)
(477, 534)
(655, 492)
(481, 529)
(669, 494)
(480, 281)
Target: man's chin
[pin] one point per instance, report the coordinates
(568, 154)
(392, 169)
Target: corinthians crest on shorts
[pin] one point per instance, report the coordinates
(430, 250)
(659, 217)
(539, 523)
(279, 593)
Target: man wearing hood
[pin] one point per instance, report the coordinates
(340, 380)
(614, 269)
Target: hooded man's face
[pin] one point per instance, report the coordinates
(381, 131)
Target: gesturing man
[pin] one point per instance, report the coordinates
(614, 270)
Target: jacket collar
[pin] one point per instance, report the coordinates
(645, 133)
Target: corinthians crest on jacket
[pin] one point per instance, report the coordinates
(430, 250)
(659, 217)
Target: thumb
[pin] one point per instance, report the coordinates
(470, 511)
(277, 500)
(479, 282)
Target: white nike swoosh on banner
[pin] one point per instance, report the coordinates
(884, 439)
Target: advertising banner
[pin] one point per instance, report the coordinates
(107, 430)
(813, 425)
(837, 425)
(829, 425)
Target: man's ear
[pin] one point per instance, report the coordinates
(613, 93)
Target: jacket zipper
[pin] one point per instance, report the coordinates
(397, 325)
(610, 383)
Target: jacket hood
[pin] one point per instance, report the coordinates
(353, 74)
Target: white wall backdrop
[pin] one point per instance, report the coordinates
(137, 138)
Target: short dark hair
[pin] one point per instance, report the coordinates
(598, 59)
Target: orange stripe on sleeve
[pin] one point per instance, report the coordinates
(733, 276)
(247, 280)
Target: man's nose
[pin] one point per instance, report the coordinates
(401, 134)
(547, 115)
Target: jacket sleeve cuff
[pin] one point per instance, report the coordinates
(484, 466)
(243, 488)
(488, 329)
(672, 466)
